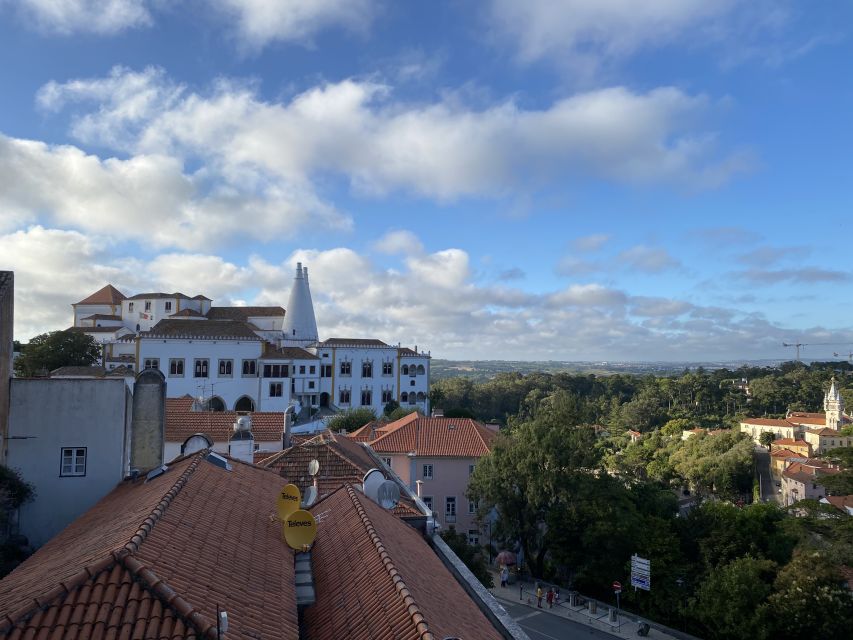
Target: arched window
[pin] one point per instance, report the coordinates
(404, 397)
(421, 370)
(244, 404)
(405, 370)
(216, 404)
(421, 396)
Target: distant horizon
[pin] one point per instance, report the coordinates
(486, 180)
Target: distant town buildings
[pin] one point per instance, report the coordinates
(251, 358)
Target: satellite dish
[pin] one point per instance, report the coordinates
(299, 529)
(288, 501)
(388, 494)
(370, 483)
(310, 496)
(313, 467)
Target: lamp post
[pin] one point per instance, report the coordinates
(680, 583)
(489, 525)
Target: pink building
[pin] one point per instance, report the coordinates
(435, 457)
(801, 480)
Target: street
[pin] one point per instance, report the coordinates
(540, 625)
(762, 465)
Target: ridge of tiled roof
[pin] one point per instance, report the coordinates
(784, 453)
(389, 567)
(92, 371)
(159, 295)
(96, 329)
(825, 432)
(427, 436)
(105, 295)
(210, 329)
(101, 316)
(187, 313)
(271, 352)
(182, 422)
(244, 313)
(354, 342)
(768, 422)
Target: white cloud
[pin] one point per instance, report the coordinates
(259, 22)
(103, 17)
(590, 243)
(399, 242)
(442, 150)
(593, 295)
(648, 259)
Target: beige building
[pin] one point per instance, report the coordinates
(823, 440)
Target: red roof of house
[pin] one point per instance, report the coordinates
(423, 436)
(807, 420)
(107, 295)
(841, 503)
(153, 559)
(826, 432)
(182, 422)
(788, 442)
(388, 585)
(768, 422)
(784, 453)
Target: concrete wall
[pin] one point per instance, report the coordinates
(7, 306)
(49, 414)
(148, 436)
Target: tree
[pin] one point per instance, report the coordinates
(351, 420)
(49, 351)
(470, 555)
(14, 492)
(392, 406)
(766, 438)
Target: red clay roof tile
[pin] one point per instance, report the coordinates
(182, 422)
(457, 437)
(106, 295)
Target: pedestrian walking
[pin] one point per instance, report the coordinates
(504, 576)
(538, 596)
(549, 598)
(557, 596)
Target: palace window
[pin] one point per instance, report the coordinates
(152, 363)
(73, 461)
(344, 396)
(387, 368)
(326, 371)
(427, 501)
(302, 369)
(168, 305)
(312, 369)
(366, 369)
(346, 368)
(405, 370)
(130, 306)
(275, 389)
(176, 367)
(310, 384)
(148, 305)
(366, 398)
(276, 370)
(387, 461)
(250, 368)
(200, 368)
(387, 396)
(472, 507)
(226, 368)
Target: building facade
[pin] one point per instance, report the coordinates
(7, 308)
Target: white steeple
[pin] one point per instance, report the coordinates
(833, 404)
(300, 325)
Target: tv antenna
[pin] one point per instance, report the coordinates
(370, 484)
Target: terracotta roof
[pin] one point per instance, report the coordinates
(807, 414)
(159, 296)
(385, 583)
(807, 420)
(457, 437)
(341, 461)
(789, 442)
(808, 471)
(842, 503)
(826, 432)
(153, 559)
(187, 313)
(96, 329)
(784, 453)
(122, 371)
(286, 353)
(210, 329)
(376, 428)
(107, 295)
(101, 316)
(182, 422)
(200, 297)
(352, 342)
(405, 352)
(768, 422)
(78, 372)
(243, 313)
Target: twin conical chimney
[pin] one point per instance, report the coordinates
(300, 325)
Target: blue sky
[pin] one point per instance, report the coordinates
(540, 180)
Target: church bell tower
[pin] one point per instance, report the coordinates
(834, 407)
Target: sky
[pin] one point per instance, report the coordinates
(490, 179)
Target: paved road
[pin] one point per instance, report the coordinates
(762, 461)
(540, 625)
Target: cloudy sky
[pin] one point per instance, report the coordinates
(570, 180)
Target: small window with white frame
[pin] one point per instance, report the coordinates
(450, 508)
(427, 501)
(226, 368)
(200, 368)
(176, 367)
(276, 389)
(168, 305)
(73, 462)
(473, 537)
(472, 507)
(151, 363)
(148, 305)
(427, 472)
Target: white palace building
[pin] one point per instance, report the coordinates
(251, 358)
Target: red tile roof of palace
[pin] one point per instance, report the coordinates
(791, 442)
(153, 558)
(352, 342)
(405, 352)
(187, 313)
(458, 437)
(768, 422)
(182, 422)
(784, 453)
(389, 585)
(107, 295)
(341, 461)
(210, 329)
(807, 420)
(271, 352)
(101, 316)
(96, 329)
(807, 414)
(243, 313)
(159, 295)
(826, 432)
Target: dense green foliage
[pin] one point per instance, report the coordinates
(472, 556)
(351, 420)
(578, 502)
(49, 351)
(14, 492)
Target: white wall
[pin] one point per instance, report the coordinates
(49, 414)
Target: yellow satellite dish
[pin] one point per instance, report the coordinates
(288, 501)
(299, 529)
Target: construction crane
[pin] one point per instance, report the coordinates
(812, 344)
(849, 356)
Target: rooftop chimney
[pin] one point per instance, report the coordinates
(241, 445)
(300, 324)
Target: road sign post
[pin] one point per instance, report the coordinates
(641, 573)
(617, 589)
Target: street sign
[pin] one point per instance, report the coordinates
(617, 586)
(641, 573)
(641, 582)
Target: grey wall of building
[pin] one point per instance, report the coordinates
(49, 414)
(148, 433)
(7, 307)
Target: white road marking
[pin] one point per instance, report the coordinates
(527, 615)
